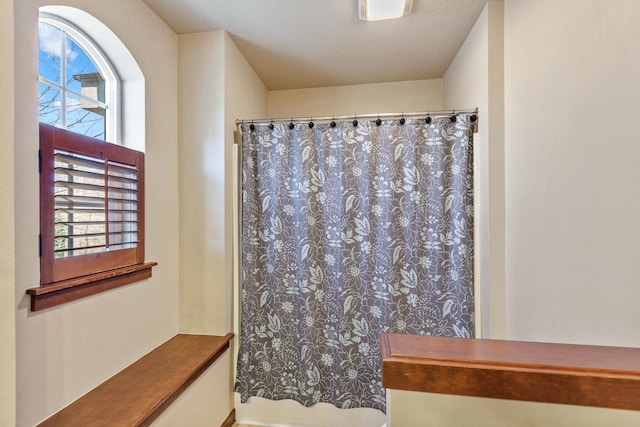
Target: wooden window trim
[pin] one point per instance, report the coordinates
(69, 278)
(47, 296)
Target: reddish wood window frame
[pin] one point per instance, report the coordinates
(68, 278)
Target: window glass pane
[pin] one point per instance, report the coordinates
(85, 117)
(82, 74)
(49, 109)
(49, 51)
(76, 99)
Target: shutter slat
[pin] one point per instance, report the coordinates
(75, 160)
(80, 236)
(91, 223)
(80, 248)
(78, 173)
(79, 186)
(122, 190)
(68, 199)
(115, 168)
(96, 211)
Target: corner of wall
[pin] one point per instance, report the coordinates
(201, 90)
(7, 233)
(475, 78)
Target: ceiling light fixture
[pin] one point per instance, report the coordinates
(375, 10)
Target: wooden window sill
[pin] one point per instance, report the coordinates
(598, 376)
(137, 395)
(56, 293)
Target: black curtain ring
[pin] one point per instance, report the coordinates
(453, 118)
(474, 117)
(252, 127)
(401, 121)
(355, 122)
(333, 124)
(271, 126)
(378, 122)
(291, 125)
(427, 120)
(310, 125)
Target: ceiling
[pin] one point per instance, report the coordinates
(294, 44)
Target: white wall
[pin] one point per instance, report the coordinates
(202, 183)
(572, 176)
(475, 78)
(397, 97)
(65, 351)
(7, 234)
(217, 86)
(245, 97)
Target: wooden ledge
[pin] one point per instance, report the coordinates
(50, 295)
(137, 395)
(585, 375)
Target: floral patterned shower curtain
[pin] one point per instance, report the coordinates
(348, 231)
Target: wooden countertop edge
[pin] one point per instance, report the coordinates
(542, 382)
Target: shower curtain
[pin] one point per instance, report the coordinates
(350, 229)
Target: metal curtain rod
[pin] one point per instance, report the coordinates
(356, 116)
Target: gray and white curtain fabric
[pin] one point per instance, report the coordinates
(349, 231)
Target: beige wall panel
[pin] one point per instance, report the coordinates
(7, 233)
(572, 176)
(398, 97)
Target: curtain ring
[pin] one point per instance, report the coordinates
(355, 121)
(427, 120)
(252, 126)
(271, 126)
(402, 120)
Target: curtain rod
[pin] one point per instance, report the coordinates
(357, 116)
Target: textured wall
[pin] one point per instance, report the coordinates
(572, 177)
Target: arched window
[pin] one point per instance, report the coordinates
(91, 193)
(78, 87)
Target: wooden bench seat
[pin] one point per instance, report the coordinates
(138, 394)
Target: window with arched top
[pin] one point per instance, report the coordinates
(78, 87)
(92, 195)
